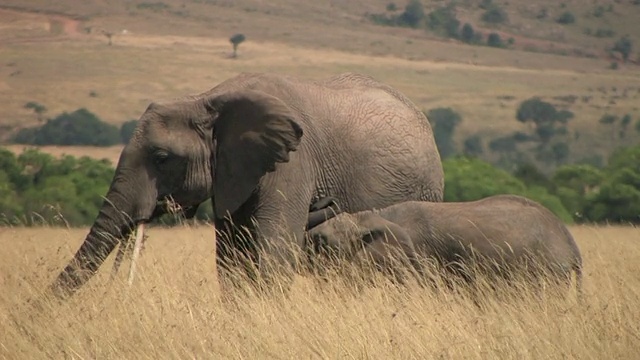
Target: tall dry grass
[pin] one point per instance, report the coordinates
(174, 311)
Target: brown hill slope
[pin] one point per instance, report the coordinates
(58, 56)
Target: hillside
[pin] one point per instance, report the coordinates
(56, 54)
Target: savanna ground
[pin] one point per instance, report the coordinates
(173, 309)
(175, 48)
(56, 54)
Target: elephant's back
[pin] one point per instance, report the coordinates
(353, 81)
(509, 223)
(390, 154)
(373, 147)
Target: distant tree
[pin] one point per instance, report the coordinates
(38, 108)
(485, 4)
(80, 127)
(623, 46)
(582, 178)
(549, 129)
(444, 122)
(566, 18)
(610, 121)
(505, 144)
(494, 40)
(547, 120)
(559, 153)
(126, 130)
(444, 21)
(236, 40)
(473, 146)
(467, 34)
(494, 15)
(542, 14)
(468, 179)
(109, 35)
(530, 175)
(392, 7)
(618, 196)
(10, 205)
(413, 14)
(37, 188)
(507, 148)
(637, 126)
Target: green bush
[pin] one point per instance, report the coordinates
(531, 176)
(35, 188)
(495, 15)
(550, 201)
(467, 34)
(468, 179)
(575, 183)
(444, 122)
(566, 18)
(443, 21)
(494, 40)
(473, 146)
(413, 14)
(623, 46)
(80, 127)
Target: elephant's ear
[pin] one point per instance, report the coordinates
(253, 131)
(383, 236)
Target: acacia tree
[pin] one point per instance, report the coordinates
(109, 35)
(444, 122)
(548, 124)
(38, 108)
(235, 40)
(623, 46)
(413, 14)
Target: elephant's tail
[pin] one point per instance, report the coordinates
(577, 268)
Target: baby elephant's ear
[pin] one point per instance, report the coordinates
(253, 131)
(386, 240)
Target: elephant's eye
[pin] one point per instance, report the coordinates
(160, 157)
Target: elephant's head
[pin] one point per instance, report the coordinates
(349, 235)
(337, 237)
(189, 150)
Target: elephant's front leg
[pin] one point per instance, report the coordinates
(265, 245)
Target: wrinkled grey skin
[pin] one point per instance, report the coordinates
(502, 230)
(263, 147)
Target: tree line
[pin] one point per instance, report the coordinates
(78, 128)
(442, 20)
(39, 189)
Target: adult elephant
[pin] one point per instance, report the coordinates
(263, 147)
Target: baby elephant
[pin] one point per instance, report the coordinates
(496, 233)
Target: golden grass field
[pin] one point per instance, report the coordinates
(173, 309)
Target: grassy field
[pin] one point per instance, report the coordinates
(173, 309)
(55, 53)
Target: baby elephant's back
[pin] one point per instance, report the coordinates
(507, 227)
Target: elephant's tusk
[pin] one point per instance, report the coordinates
(118, 260)
(136, 251)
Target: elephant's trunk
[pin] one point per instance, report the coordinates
(118, 217)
